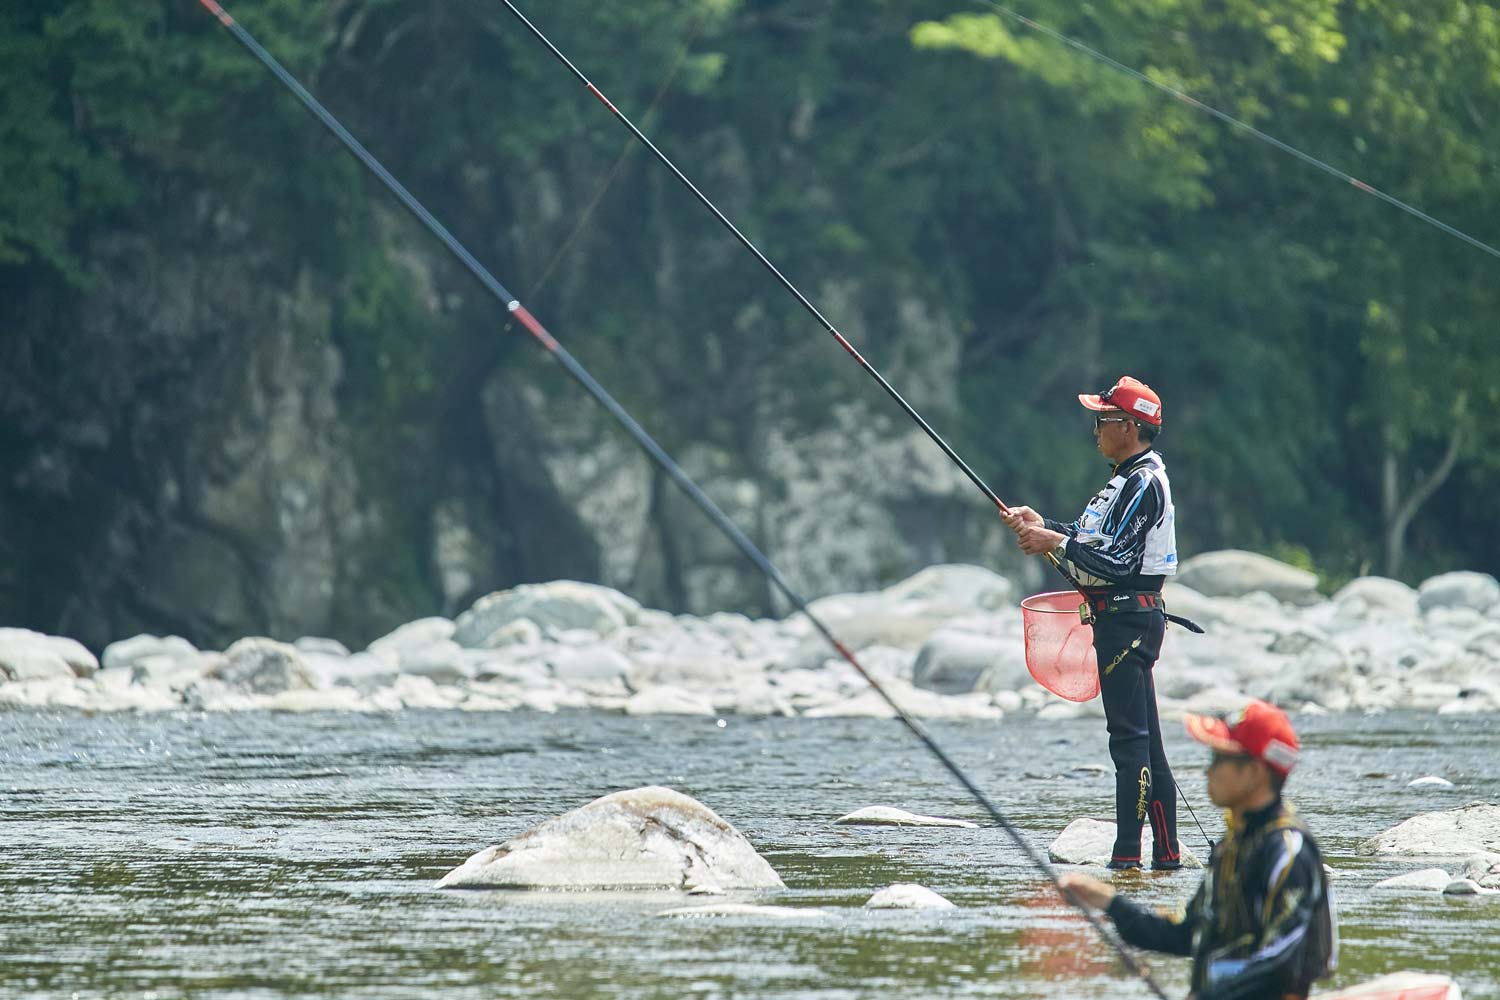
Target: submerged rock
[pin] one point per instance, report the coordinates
(1430, 781)
(1468, 887)
(1424, 880)
(907, 896)
(1473, 829)
(1092, 841)
(887, 816)
(643, 838)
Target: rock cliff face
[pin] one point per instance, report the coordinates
(185, 454)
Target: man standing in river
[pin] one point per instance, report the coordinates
(1121, 549)
(1261, 926)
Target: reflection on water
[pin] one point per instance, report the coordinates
(276, 856)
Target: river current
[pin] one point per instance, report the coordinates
(266, 856)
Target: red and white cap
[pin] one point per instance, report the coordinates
(1129, 394)
(1258, 730)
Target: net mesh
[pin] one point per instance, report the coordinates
(1060, 647)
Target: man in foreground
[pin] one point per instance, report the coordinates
(1261, 925)
(1120, 549)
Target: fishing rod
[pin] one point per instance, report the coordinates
(802, 299)
(664, 461)
(1243, 126)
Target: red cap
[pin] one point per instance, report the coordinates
(1260, 730)
(1129, 394)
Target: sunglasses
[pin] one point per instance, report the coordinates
(1229, 758)
(1099, 422)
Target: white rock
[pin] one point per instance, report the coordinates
(649, 837)
(1483, 869)
(1319, 673)
(666, 700)
(953, 662)
(520, 632)
(319, 644)
(1477, 591)
(123, 654)
(422, 632)
(363, 672)
(754, 699)
(579, 665)
(747, 910)
(1008, 701)
(1430, 781)
(26, 656)
(263, 666)
(1092, 841)
(1424, 880)
(213, 695)
(442, 660)
(562, 604)
(1375, 599)
(1234, 573)
(907, 896)
(954, 587)
(49, 692)
(1473, 829)
(888, 816)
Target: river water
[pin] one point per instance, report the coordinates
(258, 855)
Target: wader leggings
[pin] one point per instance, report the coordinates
(1127, 645)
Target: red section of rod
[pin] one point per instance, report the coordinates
(531, 323)
(218, 12)
(602, 99)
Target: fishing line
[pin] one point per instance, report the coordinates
(1242, 126)
(625, 149)
(655, 452)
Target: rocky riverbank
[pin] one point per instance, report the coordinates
(947, 642)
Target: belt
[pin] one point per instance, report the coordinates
(1118, 601)
(1122, 601)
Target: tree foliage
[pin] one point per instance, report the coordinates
(1320, 352)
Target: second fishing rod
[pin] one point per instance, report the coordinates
(796, 292)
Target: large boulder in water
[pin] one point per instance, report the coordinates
(644, 838)
(907, 896)
(562, 604)
(1473, 829)
(1234, 573)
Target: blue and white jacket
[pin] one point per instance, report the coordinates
(1126, 537)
